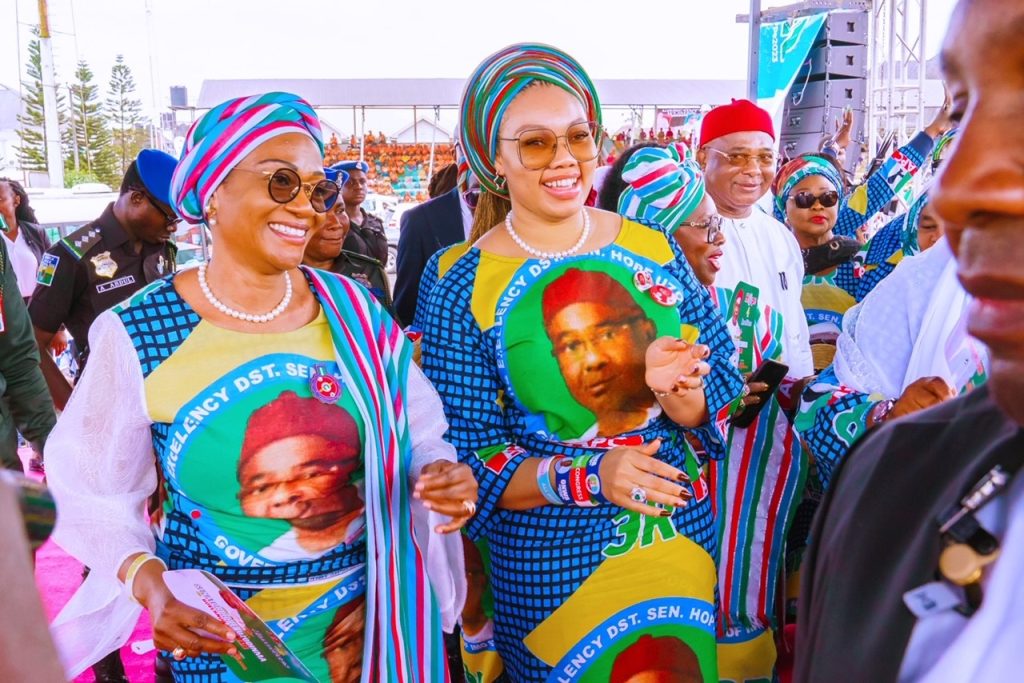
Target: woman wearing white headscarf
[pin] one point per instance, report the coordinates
(903, 349)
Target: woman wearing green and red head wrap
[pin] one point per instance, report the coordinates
(839, 268)
(573, 352)
(295, 447)
(756, 489)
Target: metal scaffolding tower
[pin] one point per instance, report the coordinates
(896, 75)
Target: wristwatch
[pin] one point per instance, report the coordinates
(880, 412)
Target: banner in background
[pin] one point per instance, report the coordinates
(784, 49)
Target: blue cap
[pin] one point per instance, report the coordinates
(336, 175)
(349, 166)
(155, 170)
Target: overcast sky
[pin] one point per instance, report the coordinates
(187, 41)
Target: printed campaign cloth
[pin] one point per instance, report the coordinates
(272, 449)
(534, 358)
(913, 326)
(755, 492)
(827, 296)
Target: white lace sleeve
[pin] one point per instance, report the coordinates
(443, 553)
(101, 469)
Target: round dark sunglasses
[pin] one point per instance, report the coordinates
(805, 200)
(284, 185)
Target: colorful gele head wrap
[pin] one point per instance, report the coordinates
(796, 170)
(225, 135)
(496, 82)
(663, 186)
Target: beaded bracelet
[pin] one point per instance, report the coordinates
(133, 571)
(544, 481)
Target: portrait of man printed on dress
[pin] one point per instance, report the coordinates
(576, 344)
(633, 622)
(297, 464)
(657, 659)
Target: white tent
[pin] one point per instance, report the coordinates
(422, 132)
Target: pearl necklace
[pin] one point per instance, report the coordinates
(551, 255)
(248, 317)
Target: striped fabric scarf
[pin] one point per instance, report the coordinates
(496, 82)
(227, 134)
(403, 642)
(795, 171)
(663, 187)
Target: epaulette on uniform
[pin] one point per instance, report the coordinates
(356, 257)
(82, 240)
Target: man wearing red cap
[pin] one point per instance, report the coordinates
(762, 259)
(737, 153)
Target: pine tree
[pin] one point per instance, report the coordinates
(96, 154)
(124, 113)
(31, 130)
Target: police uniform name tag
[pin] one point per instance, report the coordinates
(104, 265)
(115, 284)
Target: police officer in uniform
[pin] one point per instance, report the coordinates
(105, 261)
(98, 266)
(366, 231)
(325, 250)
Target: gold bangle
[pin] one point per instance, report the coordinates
(133, 571)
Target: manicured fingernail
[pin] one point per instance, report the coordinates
(666, 513)
(232, 652)
(416, 494)
(685, 493)
(683, 476)
(232, 636)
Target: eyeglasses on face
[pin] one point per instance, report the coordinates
(742, 160)
(169, 218)
(284, 184)
(805, 200)
(713, 224)
(538, 147)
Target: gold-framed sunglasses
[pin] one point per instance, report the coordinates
(538, 147)
(284, 184)
(742, 160)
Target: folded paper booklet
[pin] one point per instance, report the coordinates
(261, 654)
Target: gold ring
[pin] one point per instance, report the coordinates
(470, 507)
(178, 653)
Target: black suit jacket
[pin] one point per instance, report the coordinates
(425, 230)
(876, 536)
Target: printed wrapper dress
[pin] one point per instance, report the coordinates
(260, 440)
(826, 297)
(535, 358)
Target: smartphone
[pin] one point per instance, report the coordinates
(771, 373)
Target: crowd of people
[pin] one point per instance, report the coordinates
(400, 169)
(701, 414)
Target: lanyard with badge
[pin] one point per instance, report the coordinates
(967, 548)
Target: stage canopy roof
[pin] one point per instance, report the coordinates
(446, 92)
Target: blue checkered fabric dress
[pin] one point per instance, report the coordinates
(540, 556)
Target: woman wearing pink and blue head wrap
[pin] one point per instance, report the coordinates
(288, 425)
